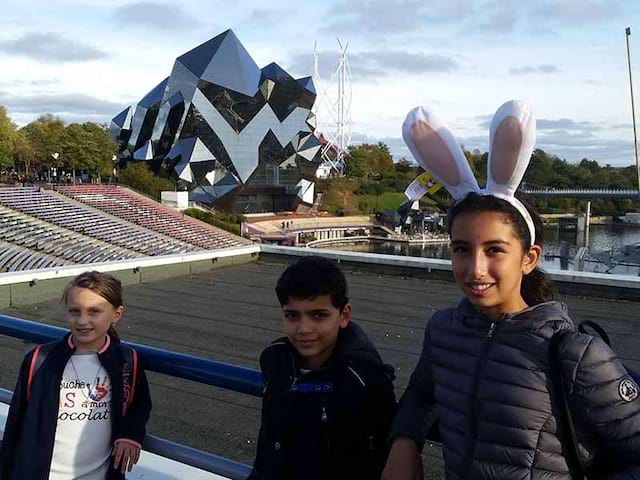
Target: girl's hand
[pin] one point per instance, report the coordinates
(125, 456)
(404, 461)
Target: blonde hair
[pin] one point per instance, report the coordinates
(105, 285)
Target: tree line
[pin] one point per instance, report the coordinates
(47, 143)
(373, 171)
(373, 180)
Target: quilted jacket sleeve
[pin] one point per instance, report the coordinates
(603, 399)
(416, 412)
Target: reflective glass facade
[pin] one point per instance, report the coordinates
(237, 135)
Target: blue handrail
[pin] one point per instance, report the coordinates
(209, 372)
(219, 374)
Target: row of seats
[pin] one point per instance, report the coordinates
(134, 208)
(38, 236)
(64, 212)
(14, 258)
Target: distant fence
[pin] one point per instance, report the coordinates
(209, 372)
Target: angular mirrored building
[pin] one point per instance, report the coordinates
(237, 136)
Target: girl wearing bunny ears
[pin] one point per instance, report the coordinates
(483, 374)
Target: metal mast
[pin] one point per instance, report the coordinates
(333, 110)
(633, 109)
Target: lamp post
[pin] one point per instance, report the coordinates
(633, 109)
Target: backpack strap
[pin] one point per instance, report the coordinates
(37, 359)
(582, 328)
(130, 374)
(570, 443)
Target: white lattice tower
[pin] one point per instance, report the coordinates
(333, 110)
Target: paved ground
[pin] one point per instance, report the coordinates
(231, 314)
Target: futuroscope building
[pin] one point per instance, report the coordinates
(237, 136)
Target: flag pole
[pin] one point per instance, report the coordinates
(633, 109)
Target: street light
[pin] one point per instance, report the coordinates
(633, 109)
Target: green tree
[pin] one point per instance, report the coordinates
(101, 148)
(75, 151)
(372, 161)
(88, 147)
(356, 165)
(139, 176)
(7, 138)
(46, 135)
(406, 166)
(540, 170)
(23, 152)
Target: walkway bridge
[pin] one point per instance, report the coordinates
(587, 194)
(201, 320)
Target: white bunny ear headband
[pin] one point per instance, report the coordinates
(511, 140)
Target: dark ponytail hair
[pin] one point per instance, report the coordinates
(103, 284)
(536, 286)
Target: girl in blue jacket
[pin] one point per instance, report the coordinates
(80, 405)
(484, 373)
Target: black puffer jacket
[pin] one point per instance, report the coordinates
(327, 424)
(489, 387)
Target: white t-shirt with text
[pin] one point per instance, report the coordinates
(82, 447)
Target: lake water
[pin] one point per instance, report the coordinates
(602, 238)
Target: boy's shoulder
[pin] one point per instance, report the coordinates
(275, 355)
(357, 356)
(278, 346)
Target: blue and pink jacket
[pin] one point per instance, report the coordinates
(27, 445)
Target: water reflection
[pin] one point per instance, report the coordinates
(559, 250)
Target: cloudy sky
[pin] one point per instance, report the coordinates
(86, 60)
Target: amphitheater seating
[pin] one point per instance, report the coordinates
(135, 208)
(67, 246)
(14, 258)
(63, 212)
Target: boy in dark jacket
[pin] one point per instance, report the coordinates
(328, 398)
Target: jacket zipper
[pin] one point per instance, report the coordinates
(324, 419)
(471, 443)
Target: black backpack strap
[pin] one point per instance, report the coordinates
(582, 328)
(570, 443)
(39, 356)
(129, 375)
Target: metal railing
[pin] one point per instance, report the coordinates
(588, 193)
(208, 372)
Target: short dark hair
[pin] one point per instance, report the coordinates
(311, 277)
(536, 287)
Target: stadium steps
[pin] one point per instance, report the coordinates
(90, 222)
(140, 210)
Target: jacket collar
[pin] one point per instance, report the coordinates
(353, 344)
(72, 346)
(531, 318)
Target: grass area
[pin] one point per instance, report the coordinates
(226, 221)
(352, 196)
(380, 203)
(349, 196)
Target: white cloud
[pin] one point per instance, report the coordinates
(155, 16)
(379, 17)
(60, 104)
(51, 47)
(538, 69)
(376, 63)
(576, 11)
